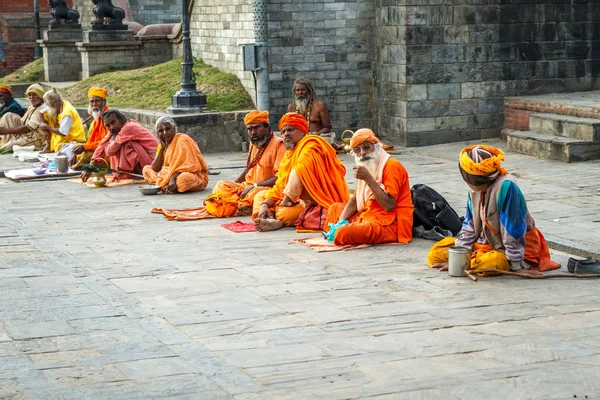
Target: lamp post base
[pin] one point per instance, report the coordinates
(187, 102)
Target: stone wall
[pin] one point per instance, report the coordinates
(218, 29)
(145, 12)
(443, 70)
(214, 132)
(332, 43)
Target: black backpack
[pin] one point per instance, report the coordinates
(432, 209)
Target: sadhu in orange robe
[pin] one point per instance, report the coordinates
(264, 168)
(183, 155)
(372, 224)
(310, 172)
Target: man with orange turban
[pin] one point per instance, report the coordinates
(497, 227)
(7, 103)
(264, 157)
(23, 131)
(82, 152)
(309, 180)
(381, 209)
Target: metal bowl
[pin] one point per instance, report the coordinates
(149, 189)
(40, 171)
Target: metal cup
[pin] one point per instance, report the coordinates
(62, 164)
(459, 258)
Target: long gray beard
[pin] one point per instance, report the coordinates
(301, 104)
(52, 113)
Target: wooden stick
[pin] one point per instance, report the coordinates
(471, 276)
(525, 275)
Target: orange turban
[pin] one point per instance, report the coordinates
(361, 136)
(256, 117)
(98, 92)
(482, 160)
(294, 119)
(6, 89)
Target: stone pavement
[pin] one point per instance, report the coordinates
(101, 299)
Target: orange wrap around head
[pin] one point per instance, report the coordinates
(294, 119)
(361, 136)
(98, 92)
(256, 117)
(6, 89)
(486, 166)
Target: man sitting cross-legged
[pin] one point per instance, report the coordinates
(24, 131)
(381, 209)
(309, 172)
(7, 103)
(129, 146)
(179, 166)
(61, 122)
(264, 157)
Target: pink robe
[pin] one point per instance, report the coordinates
(133, 146)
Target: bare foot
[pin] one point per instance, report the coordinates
(244, 210)
(267, 224)
(441, 266)
(46, 150)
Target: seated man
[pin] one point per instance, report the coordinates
(178, 166)
(305, 103)
(497, 225)
(129, 147)
(23, 131)
(381, 209)
(264, 157)
(61, 122)
(310, 175)
(7, 103)
(82, 153)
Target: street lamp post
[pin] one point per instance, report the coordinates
(37, 50)
(187, 99)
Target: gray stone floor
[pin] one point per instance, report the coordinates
(102, 299)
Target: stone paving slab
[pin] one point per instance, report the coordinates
(102, 299)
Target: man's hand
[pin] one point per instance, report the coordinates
(163, 145)
(361, 172)
(246, 191)
(78, 149)
(287, 202)
(85, 176)
(264, 212)
(73, 160)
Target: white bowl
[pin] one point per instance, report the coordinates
(149, 189)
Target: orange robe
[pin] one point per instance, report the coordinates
(183, 155)
(96, 133)
(265, 168)
(315, 171)
(372, 224)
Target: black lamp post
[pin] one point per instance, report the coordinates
(37, 50)
(187, 99)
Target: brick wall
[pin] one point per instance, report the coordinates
(17, 29)
(461, 60)
(217, 29)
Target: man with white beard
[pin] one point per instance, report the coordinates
(61, 122)
(82, 152)
(306, 104)
(381, 210)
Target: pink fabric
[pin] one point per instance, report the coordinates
(239, 226)
(132, 146)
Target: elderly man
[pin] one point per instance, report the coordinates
(129, 146)
(179, 166)
(497, 227)
(23, 131)
(306, 104)
(310, 178)
(381, 209)
(264, 157)
(61, 122)
(7, 103)
(82, 152)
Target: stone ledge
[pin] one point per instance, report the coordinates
(551, 108)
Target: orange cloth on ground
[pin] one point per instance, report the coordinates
(182, 155)
(287, 215)
(186, 214)
(133, 146)
(320, 171)
(358, 231)
(96, 133)
(256, 117)
(294, 119)
(537, 253)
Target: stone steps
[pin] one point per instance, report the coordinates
(587, 129)
(553, 147)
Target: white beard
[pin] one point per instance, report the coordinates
(301, 104)
(94, 112)
(370, 162)
(52, 114)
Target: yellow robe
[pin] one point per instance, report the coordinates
(77, 132)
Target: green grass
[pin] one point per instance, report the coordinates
(151, 88)
(32, 72)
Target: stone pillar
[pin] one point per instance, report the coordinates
(62, 62)
(102, 51)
